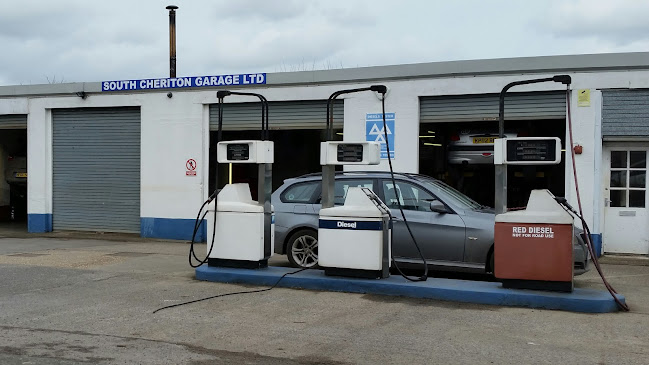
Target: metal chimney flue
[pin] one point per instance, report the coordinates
(172, 40)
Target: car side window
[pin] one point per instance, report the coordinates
(410, 196)
(342, 187)
(300, 193)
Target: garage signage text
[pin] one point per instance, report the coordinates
(183, 82)
(532, 232)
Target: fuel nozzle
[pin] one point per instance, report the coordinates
(562, 200)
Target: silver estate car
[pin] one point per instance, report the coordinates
(454, 232)
(473, 147)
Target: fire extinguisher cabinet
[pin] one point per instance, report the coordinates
(533, 247)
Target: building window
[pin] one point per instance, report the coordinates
(628, 179)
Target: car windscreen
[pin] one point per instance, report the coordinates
(439, 188)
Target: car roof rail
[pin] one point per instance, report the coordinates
(314, 174)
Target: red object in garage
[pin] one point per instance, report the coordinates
(533, 247)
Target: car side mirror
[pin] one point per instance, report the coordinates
(438, 207)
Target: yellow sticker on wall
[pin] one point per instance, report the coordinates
(584, 97)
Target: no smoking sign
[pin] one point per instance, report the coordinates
(191, 167)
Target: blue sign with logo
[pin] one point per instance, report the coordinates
(184, 82)
(374, 131)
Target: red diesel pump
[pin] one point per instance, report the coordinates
(533, 248)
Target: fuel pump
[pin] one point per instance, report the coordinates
(240, 230)
(541, 261)
(355, 239)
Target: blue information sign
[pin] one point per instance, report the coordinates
(374, 131)
(183, 82)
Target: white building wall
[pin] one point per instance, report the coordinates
(14, 106)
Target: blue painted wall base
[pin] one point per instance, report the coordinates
(580, 300)
(170, 228)
(39, 223)
(597, 243)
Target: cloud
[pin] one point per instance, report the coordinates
(266, 10)
(620, 22)
(44, 20)
(93, 41)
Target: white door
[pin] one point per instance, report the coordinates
(626, 222)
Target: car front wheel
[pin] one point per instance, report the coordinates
(302, 249)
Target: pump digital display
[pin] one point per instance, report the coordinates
(350, 152)
(238, 152)
(531, 150)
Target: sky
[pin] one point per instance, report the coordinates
(45, 41)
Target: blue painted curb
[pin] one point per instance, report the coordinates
(580, 300)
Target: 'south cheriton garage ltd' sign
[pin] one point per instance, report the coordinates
(184, 82)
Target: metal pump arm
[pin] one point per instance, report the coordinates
(500, 198)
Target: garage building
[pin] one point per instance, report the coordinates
(113, 156)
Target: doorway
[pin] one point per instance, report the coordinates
(626, 228)
(13, 182)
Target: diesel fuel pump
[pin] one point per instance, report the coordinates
(355, 239)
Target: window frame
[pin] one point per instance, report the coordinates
(312, 198)
(627, 189)
(418, 186)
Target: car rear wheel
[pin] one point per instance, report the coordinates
(302, 249)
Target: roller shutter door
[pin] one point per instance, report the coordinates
(13, 121)
(96, 169)
(625, 114)
(473, 108)
(306, 114)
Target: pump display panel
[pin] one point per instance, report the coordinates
(350, 152)
(245, 151)
(238, 152)
(531, 150)
(527, 151)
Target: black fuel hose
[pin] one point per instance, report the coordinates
(589, 243)
(199, 218)
(424, 276)
(232, 293)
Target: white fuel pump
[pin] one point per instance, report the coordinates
(354, 240)
(240, 230)
(239, 237)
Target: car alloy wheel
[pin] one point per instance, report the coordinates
(303, 249)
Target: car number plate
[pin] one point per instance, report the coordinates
(21, 174)
(477, 140)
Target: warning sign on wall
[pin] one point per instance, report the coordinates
(190, 165)
(583, 97)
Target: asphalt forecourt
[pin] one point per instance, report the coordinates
(69, 300)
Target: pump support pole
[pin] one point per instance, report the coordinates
(500, 202)
(329, 171)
